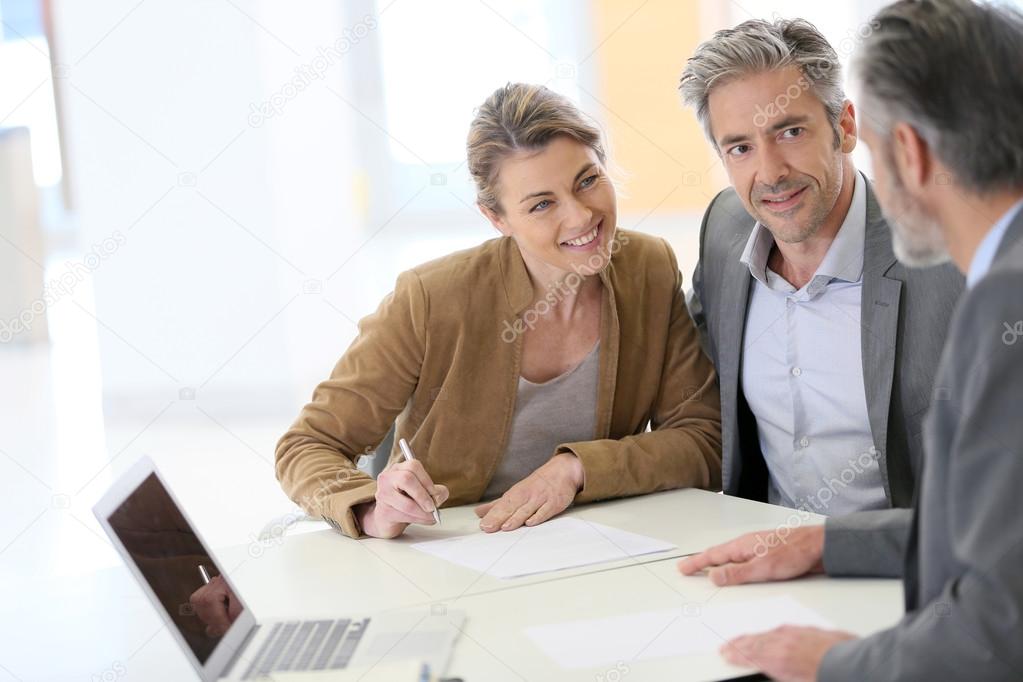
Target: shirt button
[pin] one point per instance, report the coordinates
(796, 371)
(804, 441)
(873, 451)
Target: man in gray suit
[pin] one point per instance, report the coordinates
(825, 346)
(942, 92)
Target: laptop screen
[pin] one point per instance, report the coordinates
(175, 563)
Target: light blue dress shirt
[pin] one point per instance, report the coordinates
(802, 375)
(985, 253)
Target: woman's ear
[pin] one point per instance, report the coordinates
(496, 220)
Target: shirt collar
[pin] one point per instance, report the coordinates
(984, 256)
(844, 259)
(758, 248)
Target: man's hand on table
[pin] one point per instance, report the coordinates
(761, 556)
(787, 653)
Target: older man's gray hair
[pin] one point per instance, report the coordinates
(756, 46)
(953, 70)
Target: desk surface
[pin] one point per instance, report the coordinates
(494, 645)
(389, 574)
(104, 627)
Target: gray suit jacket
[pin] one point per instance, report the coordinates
(964, 560)
(904, 317)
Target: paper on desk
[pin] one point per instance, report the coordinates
(688, 631)
(551, 546)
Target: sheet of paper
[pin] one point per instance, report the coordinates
(552, 546)
(688, 631)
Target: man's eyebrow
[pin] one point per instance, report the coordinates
(786, 122)
(789, 121)
(582, 171)
(732, 139)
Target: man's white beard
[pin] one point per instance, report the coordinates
(917, 239)
(918, 249)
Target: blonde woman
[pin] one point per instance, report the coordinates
(523, 372)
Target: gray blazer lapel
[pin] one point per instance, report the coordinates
(734, 297)
(879, 322)
(734, 300)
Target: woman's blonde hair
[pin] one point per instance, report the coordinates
(522, 117)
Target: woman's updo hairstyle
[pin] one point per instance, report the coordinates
(522, 117)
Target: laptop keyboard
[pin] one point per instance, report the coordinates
(307, 645)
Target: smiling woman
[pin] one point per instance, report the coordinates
(555, 364)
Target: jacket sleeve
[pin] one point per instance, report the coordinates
(970, 630)
(351, 412)
(868, 543)
(683, 449)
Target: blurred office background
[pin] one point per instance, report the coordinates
(200, 198)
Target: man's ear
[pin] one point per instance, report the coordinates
(913, 159)
(847, 124)
(496, 220)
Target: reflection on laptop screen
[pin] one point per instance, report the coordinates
(169, 555)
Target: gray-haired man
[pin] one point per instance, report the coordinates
(942, 93)
(825, 346)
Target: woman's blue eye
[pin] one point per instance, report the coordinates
(588, 182)
(540, 206)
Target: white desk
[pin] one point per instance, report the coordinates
(102, 627)
(390, 574)
(495, 648)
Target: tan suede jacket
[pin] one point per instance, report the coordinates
(440, 360)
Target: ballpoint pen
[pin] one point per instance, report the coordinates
(409, 457)
(204, 574)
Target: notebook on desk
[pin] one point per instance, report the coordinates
(222, 638)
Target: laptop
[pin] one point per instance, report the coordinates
(171, 562)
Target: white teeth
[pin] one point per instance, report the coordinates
(780, 201)
(585, 239)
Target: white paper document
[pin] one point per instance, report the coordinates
(551, 546)
(688, 631)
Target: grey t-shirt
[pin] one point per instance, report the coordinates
(562, 410)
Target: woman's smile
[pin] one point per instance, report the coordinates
(585, 242)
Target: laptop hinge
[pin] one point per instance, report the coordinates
(238, 652)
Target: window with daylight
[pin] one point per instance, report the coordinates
(26, 88)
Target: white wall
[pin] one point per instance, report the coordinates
(226, 219)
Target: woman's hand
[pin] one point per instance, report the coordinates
(547, 491)
(405, 494)
(216, 606)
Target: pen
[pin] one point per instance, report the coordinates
(204, 574)
(409, 457)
